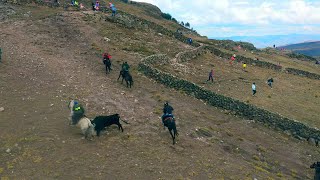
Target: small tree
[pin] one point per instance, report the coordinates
(166, 16)
(187, 25)
(182, 23)
(174, 20)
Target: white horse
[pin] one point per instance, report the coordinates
(84, 123)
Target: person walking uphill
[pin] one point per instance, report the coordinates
(254, 90)
(210, 76)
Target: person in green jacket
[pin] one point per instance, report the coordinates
(125, 67)
(78, 112)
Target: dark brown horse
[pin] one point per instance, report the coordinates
(171, 124)
(127, 77)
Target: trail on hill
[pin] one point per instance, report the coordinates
(51, 60)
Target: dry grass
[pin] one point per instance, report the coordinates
(292, 96)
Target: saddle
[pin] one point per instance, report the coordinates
(167, 117)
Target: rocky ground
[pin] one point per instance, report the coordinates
(50, 60)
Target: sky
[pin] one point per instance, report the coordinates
(225, 18)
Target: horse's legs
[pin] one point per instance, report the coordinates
(119, 76)
(127, 83)
(172, 135)
(98, 132)
(120, 126)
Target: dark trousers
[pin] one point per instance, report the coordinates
(254, 92)
(210, 78)
(108, 68)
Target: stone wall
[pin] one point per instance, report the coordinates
(249, 111)
(303, 73)
(192, 54)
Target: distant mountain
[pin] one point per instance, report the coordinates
(306, 48)
(270, 40)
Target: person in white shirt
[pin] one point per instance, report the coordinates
(254, 91)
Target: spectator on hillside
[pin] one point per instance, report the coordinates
(233, 58)
(190, 41)
(270, 81)
(210, 76)
(244, 65)
(113, 9)
(254, 90)
(318, 62)
(97, 6)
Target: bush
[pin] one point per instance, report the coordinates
(166, 16)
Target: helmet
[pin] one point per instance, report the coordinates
(166, 103)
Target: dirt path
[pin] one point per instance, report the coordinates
(50, 61)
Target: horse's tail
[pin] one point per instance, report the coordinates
(124, 121)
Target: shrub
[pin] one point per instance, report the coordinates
(166, 16)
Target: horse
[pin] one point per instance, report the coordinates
(316, 166)
(127, 77)
(170, 123)
(107, 63)
(81, 121)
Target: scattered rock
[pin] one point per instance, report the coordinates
(8, 150)
(1, 109)
(312, 141)
(204, 132)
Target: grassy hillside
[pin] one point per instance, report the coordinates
(51, 56)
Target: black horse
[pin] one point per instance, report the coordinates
(171, 124)
(107, 63)
(127, 77)
(316, 166)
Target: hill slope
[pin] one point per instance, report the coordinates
(307, 48)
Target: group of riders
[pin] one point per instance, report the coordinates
(106, 59)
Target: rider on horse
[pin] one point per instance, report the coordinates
(125, 67)
(78, 112)
(167, 112)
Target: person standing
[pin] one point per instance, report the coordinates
(210, 76)
(244, 65)
(254, 90)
